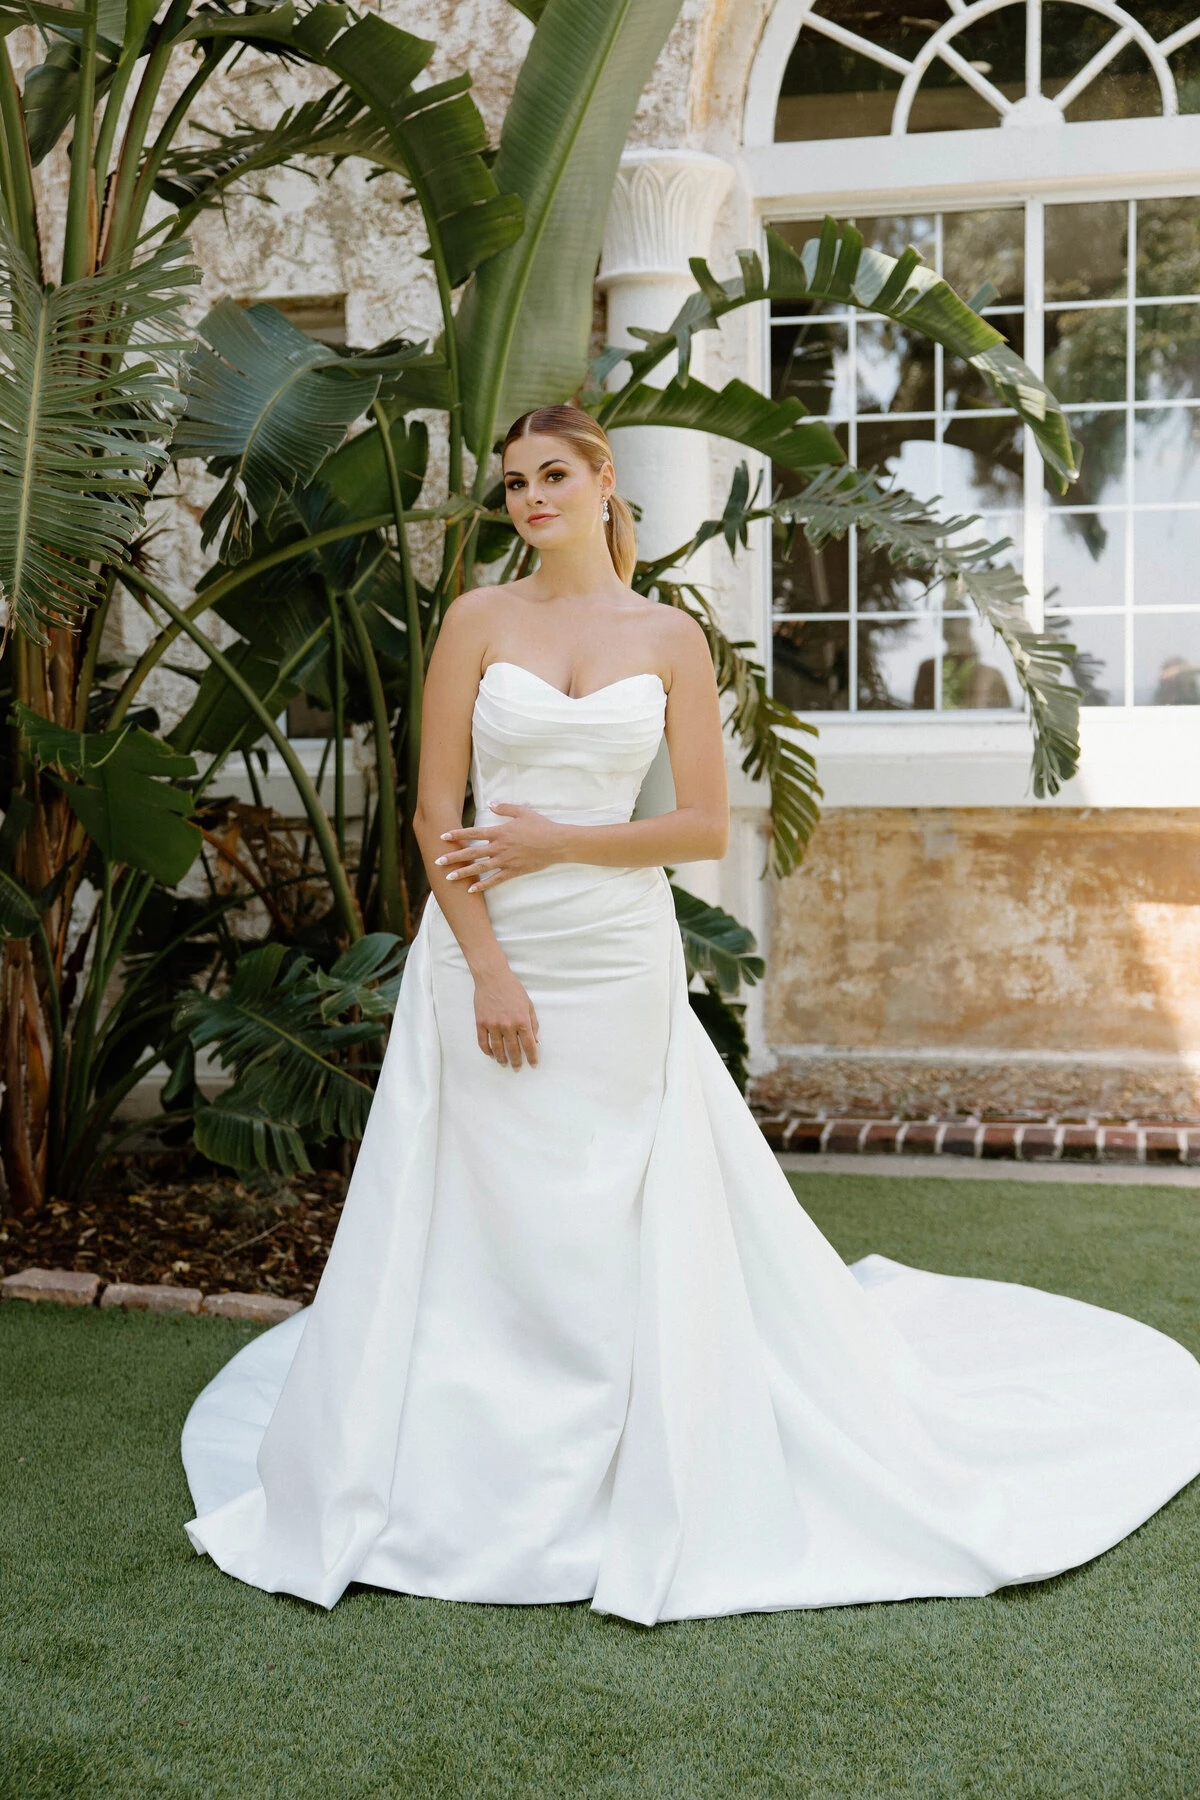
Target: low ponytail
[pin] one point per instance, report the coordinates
(621, 533)
(590, 440)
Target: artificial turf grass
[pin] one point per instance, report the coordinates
(133, 1668)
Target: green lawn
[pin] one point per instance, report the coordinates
(133, 1668)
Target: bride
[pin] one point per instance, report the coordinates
(575, 1338)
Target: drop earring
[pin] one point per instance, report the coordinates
(604, 513)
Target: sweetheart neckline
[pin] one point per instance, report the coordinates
(642, 675)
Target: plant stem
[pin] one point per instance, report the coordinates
(343, 896)
(412, 618)
(156, 155)
(19, 202)
(141, 113)
(390, 891)
(79, 243)
(244, 572)
(339, 717)
(91, 654)
(252, 778)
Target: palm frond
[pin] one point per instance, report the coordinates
(842, 270)
(285, 1027)
(765, 727)
(913, 536)
(89, 396)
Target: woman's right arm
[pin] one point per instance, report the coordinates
(506, 1025)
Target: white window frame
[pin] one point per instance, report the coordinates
(1132, 756)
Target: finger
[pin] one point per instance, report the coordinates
(508, 806)
(464, 853)
(512, 1047)
(499, 1050)
(482, 1038)
(480, 866)
(489, 879)
(529, 1044)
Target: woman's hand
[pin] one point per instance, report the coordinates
(522, 841)
(505, 1022)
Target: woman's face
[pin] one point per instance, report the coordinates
(554, 497)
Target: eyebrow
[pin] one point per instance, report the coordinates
(548, 464)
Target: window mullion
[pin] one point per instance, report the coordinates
(1035, 356)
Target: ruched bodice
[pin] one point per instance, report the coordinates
(580, 760)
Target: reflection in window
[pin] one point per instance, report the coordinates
(854, 69)
(1121, 310)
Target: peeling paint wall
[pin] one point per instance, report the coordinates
(986, 960)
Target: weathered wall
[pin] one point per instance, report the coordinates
(983, 960)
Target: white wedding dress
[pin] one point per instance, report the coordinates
(577, 1340)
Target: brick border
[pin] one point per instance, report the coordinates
(68, 1287)
(1041, 1141)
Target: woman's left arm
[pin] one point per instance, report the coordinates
(697, 829)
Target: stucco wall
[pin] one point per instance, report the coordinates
(986, 960)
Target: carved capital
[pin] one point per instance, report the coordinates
(663, 209)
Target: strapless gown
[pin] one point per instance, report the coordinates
(577, 1341)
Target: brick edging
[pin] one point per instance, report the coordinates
(1017, 1142)
(75, 1287)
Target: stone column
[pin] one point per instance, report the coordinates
(663, 211)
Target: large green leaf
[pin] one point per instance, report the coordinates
(266, 405)
(715, 946)
(121, 791)
(284, 1027)
(524, 327)
(82, 425)
(781, 429)
(842, 272)
(913, 537)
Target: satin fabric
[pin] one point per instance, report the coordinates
(577, 1340)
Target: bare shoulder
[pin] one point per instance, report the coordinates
(682, 641)
(468, 626)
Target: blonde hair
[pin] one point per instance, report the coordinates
(590, 441)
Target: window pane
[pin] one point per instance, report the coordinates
(986, 246)
(1166, 559)
(1167, 355)
(830, 91)
(1098, 666)
(1086, 250)
(1102, 439)
(902, 449)
(892, 654)
(1085, 354)
(1166, 659)
(1126, 88)
(1166, 466)
(1085, 560)
(974, 678)
(896, 232)
(982, 464)
(882, 587)
(811, 580)
(811, 665)
(895, 369)
(811, 363)
(1168, 246)
(996, 47)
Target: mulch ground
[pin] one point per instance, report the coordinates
(201, 1230)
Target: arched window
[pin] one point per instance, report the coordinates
(1046, 158)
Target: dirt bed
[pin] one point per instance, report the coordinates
(200, 1230)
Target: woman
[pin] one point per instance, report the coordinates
(575, 1339)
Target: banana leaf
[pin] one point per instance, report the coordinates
(525, 322)
(88, 401)
(841, 271)
(121, 789)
